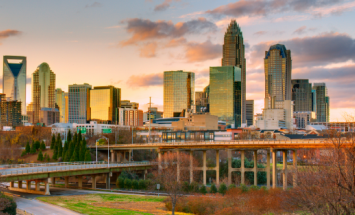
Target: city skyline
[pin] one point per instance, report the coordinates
(109, 45)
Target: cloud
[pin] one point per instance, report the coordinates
(148, 50)
(95, 4)
(144, 29)
(9, 33)
(198, 52)
(264, 8)
(303, 30)
(146, 80)
(163, 6)
(260, 33)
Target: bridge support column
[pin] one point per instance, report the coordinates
(66, 181)
(295, 170)
(274, 169)
(46, 188)
(204, 168)
(93, 179)
(28, 185)
(108, 180)
(38, 186)
(191, 167)
(53, 180)
(12, 184)
(159, 161)
(145, 174)
(229, 160)
(113, 156)
(284, 169)
(217, 167)
(268, 169)
(20, 184)
(242, 167)
(80, 181)
(130, 155)
(255, 167)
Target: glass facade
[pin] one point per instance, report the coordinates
(234, 55)
(79, 103)
(10, 112)
(104, 104)
(277, 64)
(322, 102)
(250, 112)
(179, 92)
(61, 102)
(225, 95)
(14, 79)
(302, 95)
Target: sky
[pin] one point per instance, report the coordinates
(129, 44)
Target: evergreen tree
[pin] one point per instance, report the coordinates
(37, 145)
(75, 138)
(55, 153)
(53, 142)
(79, 136)
(69, 136)
(71, 149)
(43, 146)
(74, 157)
(87, 156)
(222, 188)
(65, 149)
(60, 149)
(82, 151)
(67, 156)
(33, 148)
(28, 148)
(40, 156)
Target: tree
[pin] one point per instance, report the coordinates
(213, 188)
(222, 189)
(7, 204)
(55, 153)
(79, 136)
(170, 179)
(65, 149)
(87, 156)
(135, 184)
(33, 148)
(83, 150)
(43, 146)
(67, 156)
(40, 156)
(203, 189)
(69, 136)
(120, 182)
(37, 145)
(28, 148)
(128, 183)
(74, 157)
(52, 142)
(60, 148)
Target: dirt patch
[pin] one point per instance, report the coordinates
(157, 208)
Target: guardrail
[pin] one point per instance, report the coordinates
(8, 166)
(72, 167)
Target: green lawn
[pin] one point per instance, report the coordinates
(102, 203)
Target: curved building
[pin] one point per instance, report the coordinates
(14, 79)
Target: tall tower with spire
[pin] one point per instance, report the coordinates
(234, 55)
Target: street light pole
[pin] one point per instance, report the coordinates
(96, 150)
(108, 152)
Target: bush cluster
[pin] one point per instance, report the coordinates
(130, 181)
(7, 205)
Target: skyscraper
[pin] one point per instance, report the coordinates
(201, 102)
(278, 66)
(225, 97)
(61, 102)
(79, 103)
(302, 95)
(14, 79)
(179, 92)
(250, 112)
(322, 102)
(234, 55)
(10, 112)
(43, 90)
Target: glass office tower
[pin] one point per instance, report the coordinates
(225, 97)
(234, 55)
(79, 103)
(250, 112)
(277, 64)
(322, 102)
(14, 79)
(105, 102)
(301, 95)
(61, 102)
(179, 92)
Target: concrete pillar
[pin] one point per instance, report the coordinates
(255, 167)
(159, 161)
(204, 168)
(46, 188)
(80, 181)
(37, 186)
(20, 184)
(284, 169)
(53, 180)
(108, 181)
(119, 157)
(178, 166)
(295, 168)
(145, 174)
(12, 184)
(274, 169)
(191, 167)
(66, 181)
(229, 160)
(28, 185)
(242, 167)
(268, 169)
(217, 167)
(130, 155)
(113, 156)
(93, 180)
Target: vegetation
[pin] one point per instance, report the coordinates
(7, 204)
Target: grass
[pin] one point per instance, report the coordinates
(105, 204)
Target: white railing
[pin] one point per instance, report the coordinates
(10, 166)
(59, 168)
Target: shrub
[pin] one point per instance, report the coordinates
(142, 184)
(128, 183)
(244, 188)
(253, 187)
(42, 146)
(40, 156)
(231, 186)
(28, 148)
(194, 187)
(8, 205)
(203, 189)
(120, 182)
(23, 153)
(87, 156)
(213, 188)
(222, 188)
(37, 145)
(33, 149)
(135, 184)
(186, 187)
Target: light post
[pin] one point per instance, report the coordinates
(108, 152)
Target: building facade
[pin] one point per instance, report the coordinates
(250, 112)
(10, 112)
(225, 95)
(302, 95)
(201, 102)
(179, 92)
(79, 103)
(322, 102)
(153, 113)
(61, 102)
(43, 90)
(234, 55)
(49, 116)
(304, 118)
(278, 66)
(105, 102)
(130, 117)
(129, 104)
(14, 79)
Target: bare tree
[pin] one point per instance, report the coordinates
(172, 175)
(329, 186)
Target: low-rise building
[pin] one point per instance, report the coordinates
(49, 116)
(196, 122)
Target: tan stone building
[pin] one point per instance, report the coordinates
(196, 122)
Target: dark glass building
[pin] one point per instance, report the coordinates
(322, 102)
(302, 95)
